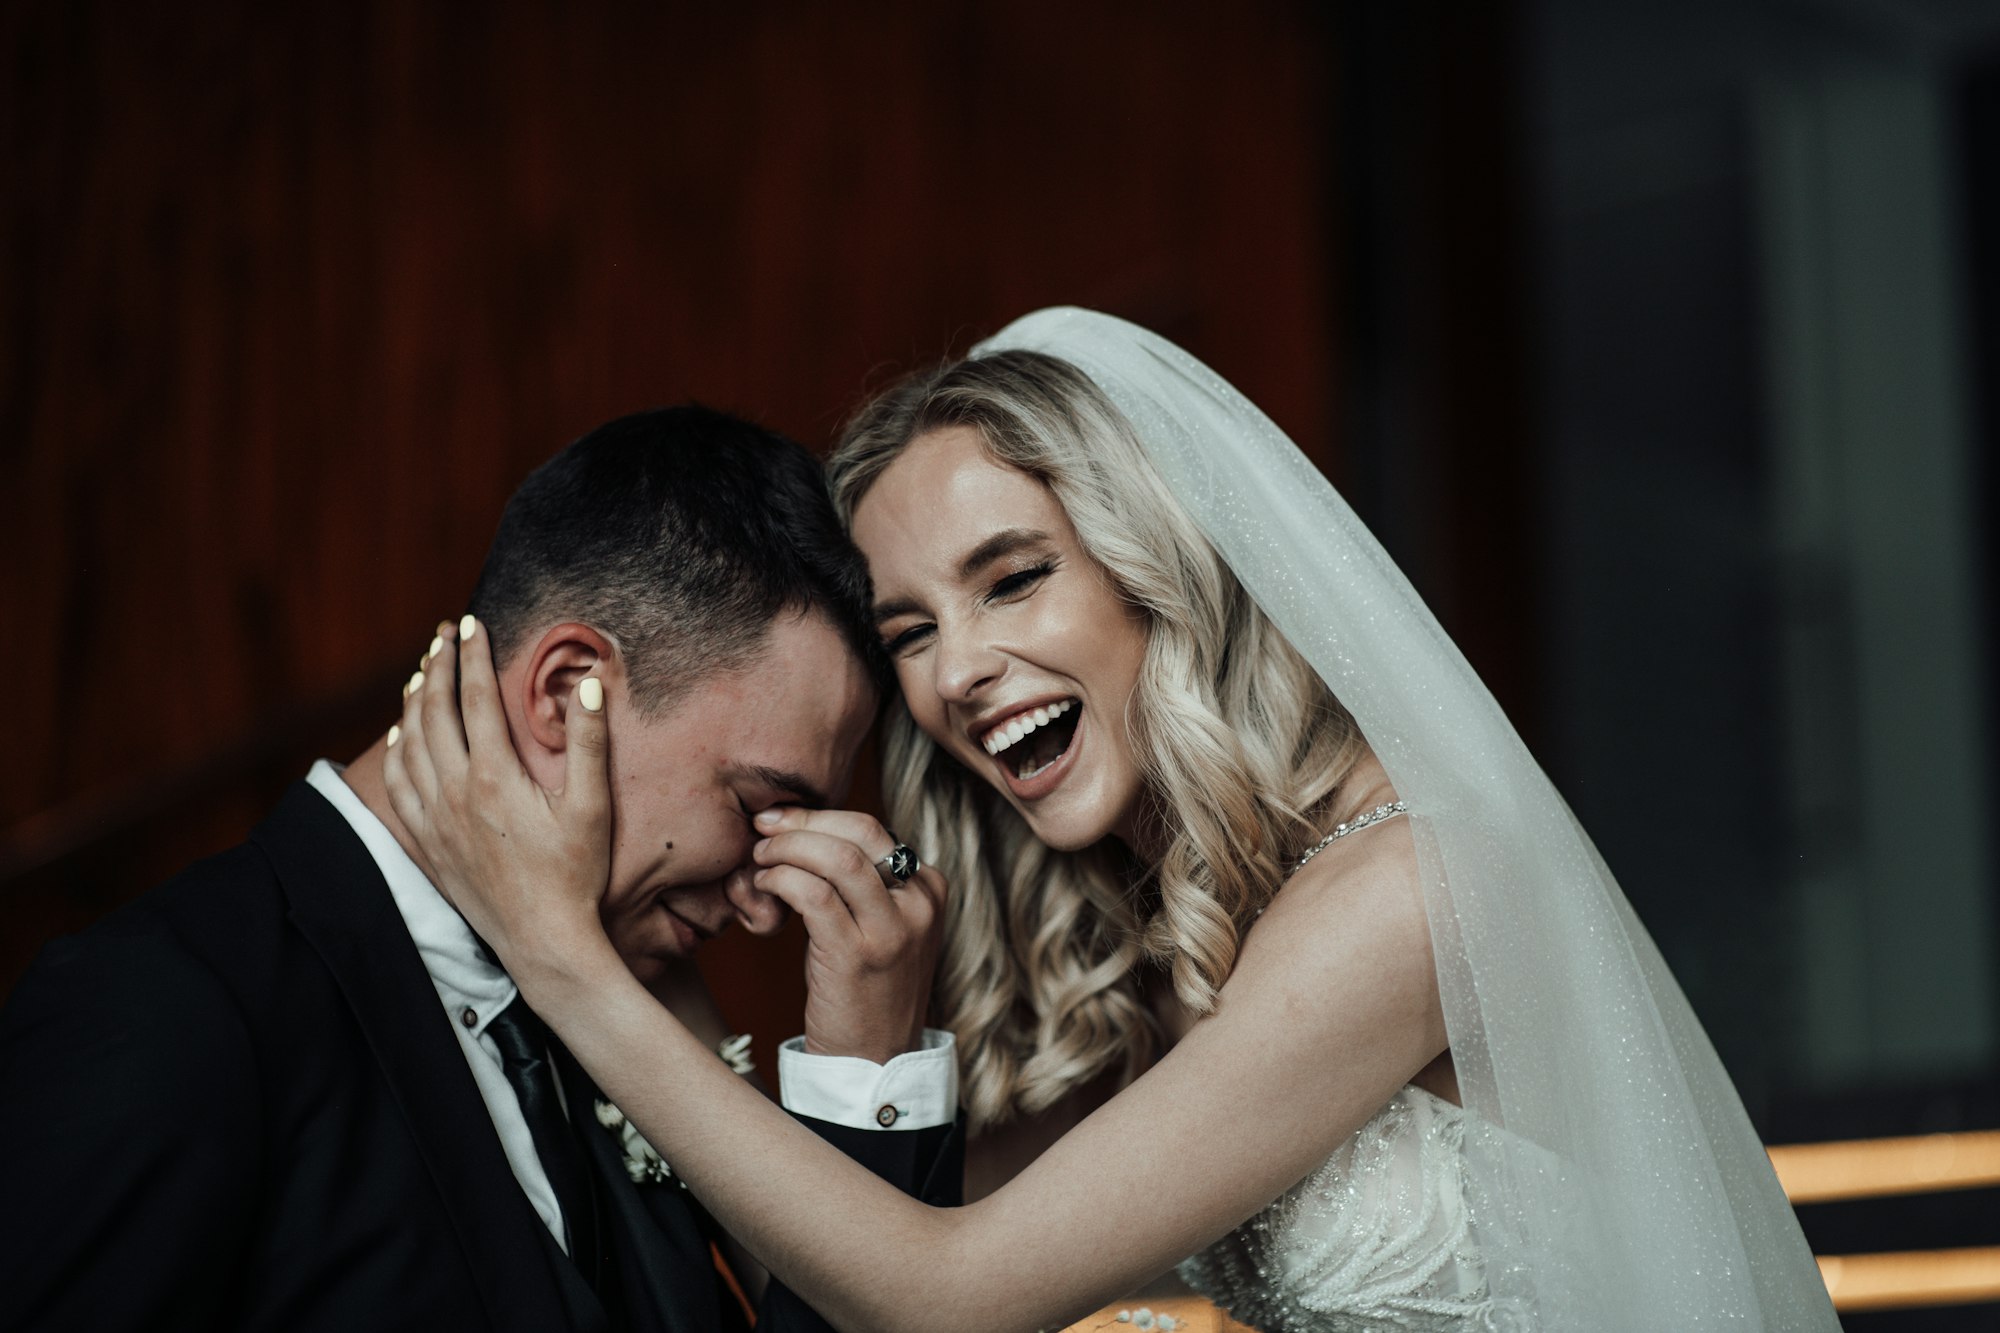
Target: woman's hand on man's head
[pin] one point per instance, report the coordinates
(524, 866)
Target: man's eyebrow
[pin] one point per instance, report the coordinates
(1002, 543)
(794, 784)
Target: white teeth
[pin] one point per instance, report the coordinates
(1001, 737)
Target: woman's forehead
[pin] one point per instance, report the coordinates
(940, 500)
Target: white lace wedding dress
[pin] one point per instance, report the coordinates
(1380, 1237)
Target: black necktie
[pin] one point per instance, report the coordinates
(524, 1056)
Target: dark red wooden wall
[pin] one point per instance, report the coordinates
(291, 296)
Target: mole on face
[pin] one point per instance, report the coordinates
(670, 844)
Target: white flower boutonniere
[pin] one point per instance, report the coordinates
(735, 1052)
(643, 1162)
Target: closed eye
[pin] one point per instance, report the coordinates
(1020, 581)
(908, 639)
(1003, 590)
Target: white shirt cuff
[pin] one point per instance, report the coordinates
(915, 1090)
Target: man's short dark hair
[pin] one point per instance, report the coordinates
(680, 534)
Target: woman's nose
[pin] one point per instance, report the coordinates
(964, 665)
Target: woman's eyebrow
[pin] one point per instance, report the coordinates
(901, 606)
(1001, 544)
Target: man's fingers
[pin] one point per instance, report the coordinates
(864, 831)
(817, 902)
(850, 870)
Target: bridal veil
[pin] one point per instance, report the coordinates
(1614, 1177)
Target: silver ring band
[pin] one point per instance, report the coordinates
(900, 863)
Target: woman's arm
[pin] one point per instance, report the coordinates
(1331, 1009)
(1308, 1044)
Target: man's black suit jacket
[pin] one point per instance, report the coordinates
(238, 1104)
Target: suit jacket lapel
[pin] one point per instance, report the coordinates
(660, 1259)
(342, 906)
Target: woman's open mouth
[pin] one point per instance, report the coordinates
(1034, 748)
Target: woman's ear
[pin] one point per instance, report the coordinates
(561, 657)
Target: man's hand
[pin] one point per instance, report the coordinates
(874, 942)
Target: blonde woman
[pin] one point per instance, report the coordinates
(1270, 951)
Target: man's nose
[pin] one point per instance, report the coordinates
(759, 912)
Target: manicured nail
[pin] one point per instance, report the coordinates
(437, 645)
(466, 625)
(416, 683)
(395, 732)
(589, 692)
(769, 818)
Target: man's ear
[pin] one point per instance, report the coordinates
(560, 658)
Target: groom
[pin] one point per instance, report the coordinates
(290, 1089)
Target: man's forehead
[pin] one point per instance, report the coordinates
(789, 719)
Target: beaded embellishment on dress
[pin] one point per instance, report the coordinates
(1378, 1238)
(1355, 825)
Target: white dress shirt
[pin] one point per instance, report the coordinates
(916, 1090)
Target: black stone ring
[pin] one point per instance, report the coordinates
(900, 863)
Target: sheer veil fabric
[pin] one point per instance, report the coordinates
(1613, 1177)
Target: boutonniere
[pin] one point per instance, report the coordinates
(643, 1162)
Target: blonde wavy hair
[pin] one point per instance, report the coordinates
(1241, 745)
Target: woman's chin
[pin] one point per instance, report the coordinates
(1075, 825)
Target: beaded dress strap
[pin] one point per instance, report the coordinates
(1354, 825)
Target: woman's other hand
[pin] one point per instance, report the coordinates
(525, 866)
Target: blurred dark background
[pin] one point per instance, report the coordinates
(1657, 341)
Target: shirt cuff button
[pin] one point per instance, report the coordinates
(887, 1116)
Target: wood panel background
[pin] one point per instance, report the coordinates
(291, 297)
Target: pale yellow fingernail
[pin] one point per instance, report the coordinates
(416, 683)
(590, 693)
(395, 732)
(466, 625)
(437, 643)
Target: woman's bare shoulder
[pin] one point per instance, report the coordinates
(1373, 867)
(1357, 904)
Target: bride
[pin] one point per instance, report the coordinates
(1268, 943)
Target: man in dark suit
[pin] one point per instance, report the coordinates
(291, 1090)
